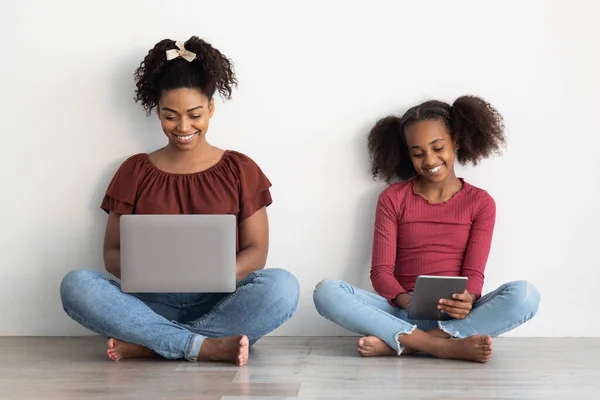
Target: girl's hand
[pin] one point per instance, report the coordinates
(459, 307)
(403, 300)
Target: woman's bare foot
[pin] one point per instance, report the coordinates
(233, 349)
(476, 348)
(118, 350)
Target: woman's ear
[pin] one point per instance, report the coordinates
(211, 107)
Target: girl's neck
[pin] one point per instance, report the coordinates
(438, 192)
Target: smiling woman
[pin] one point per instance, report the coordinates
(180, 80)
(187, 176)
(181, 123)
(185, 116)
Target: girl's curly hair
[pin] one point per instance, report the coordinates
(472, 122)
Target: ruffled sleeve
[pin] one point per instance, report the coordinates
(121, 194)
(254, 187)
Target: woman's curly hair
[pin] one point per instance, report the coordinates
(476, 126)
(208, 72)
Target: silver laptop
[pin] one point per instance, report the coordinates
(178, 253)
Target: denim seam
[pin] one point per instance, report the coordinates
(188, 348)
(514, 325)
(213, 313)
(382, 301)
(391, 317)
(501, 289)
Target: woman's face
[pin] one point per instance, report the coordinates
(184, 116)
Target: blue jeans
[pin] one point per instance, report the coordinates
(366, 313)
(174, 325)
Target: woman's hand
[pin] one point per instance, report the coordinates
(459, 307)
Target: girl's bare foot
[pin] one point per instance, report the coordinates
(372, 346)
(118, 350)
(476, 348)
(233, 349)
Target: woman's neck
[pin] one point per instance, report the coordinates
(438, 192)
(201, 152)
(176, 161)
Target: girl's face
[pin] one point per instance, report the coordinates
(184, 116)
(431, 149)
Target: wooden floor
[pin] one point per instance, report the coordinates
(300, 368)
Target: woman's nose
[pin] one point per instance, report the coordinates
(183, 125)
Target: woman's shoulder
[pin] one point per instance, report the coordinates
(133, 167)
(253, 183)
(121, 193)
(240, 159)
(134, 162)
(242, 165)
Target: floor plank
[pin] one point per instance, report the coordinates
(300, 368)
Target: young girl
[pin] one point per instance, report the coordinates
(187, 176)
(431, 223)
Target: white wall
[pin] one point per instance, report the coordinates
(314, 77)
